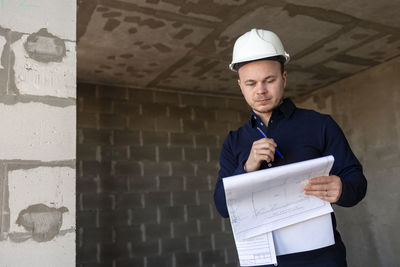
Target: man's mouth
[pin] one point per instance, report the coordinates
(263, 101)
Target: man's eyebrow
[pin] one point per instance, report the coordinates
(266, 78)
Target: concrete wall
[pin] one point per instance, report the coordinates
(148, 163)
(147, 168)
(38, 132)
(366, 106)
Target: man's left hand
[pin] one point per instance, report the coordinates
(328, 188)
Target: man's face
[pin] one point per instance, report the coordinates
(262, 85)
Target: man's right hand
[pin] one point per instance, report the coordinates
(262, 149)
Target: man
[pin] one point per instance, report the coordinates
(298, 134)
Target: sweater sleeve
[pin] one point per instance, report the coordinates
(346, 165)
(229, 166)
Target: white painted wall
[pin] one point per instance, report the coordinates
(37, 130)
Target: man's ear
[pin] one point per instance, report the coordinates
(284, 76)
(240, 86)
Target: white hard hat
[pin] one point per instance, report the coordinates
(257, 44)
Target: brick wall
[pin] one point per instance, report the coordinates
(147, 166)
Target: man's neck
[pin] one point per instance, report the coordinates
(264, 117)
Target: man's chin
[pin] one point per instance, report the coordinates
(263, 109)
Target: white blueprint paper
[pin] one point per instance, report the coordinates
(257, 250)
(274, 200)
(308, 235)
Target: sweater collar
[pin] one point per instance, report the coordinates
(286, 109)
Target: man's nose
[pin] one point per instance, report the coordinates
(261, 88)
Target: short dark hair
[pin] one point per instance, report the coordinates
(280, 59)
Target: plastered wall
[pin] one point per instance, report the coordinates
(367, 107)
(38, 132)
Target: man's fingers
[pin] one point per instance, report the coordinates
(324, 195)
(321, 180)
(263, 154)
(328, 188)
(316, 187)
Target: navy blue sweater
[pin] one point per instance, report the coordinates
(300, 135)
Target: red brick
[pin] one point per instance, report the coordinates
(86, 120)
(210, 226)
(196, 154)
(192, 100)
(145, 248)
(96, 136)
(213, 256)
(126, 137)
(168, 125)
(154, 168)
(142, 123)
(199, 211)
(96, 105)
(142, 184)
(169, 214)
(112, 92)
(202, 113)
(203, 140)
(184, 229)
(87, 151)
(154, 138)
(86, 90)
(157, 199)
(165, 97)
(143, 153)
(199, 242)
(112, 121)
(173, 245)
(129, 200)
(227, 115)
(184, 198)
(217, 128)
(177, 112)
(182, 168)
(92, 235)
(127, 168)
(197, 183)
(171, 183)
(182, 139)
(93, 201)
(187, 259)
(193, 126)
(115, 218)
(154, 231)
(140, 96)
(91, 167)
(126, 108)
(217, 102)
(112, 184)
(129, 234)
(238, 104)
(154, 110)
(204, 169)
(109, 252)
(170, 153)
(114, 153)
(157, 261)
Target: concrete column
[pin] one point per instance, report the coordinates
(37, 132)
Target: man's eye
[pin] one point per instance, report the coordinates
(271, 81)
(250, 84)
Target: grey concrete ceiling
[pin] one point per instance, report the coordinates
(187, 44)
